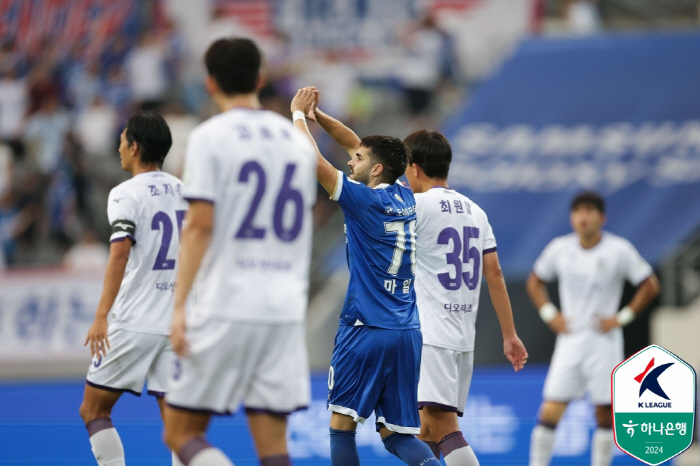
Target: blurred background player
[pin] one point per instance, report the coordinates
(453, 234)
(247, 241)
(376, 358)
(146, 214)
(591, 266)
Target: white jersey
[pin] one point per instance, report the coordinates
(453, 236)
(260, 174)
(591, 280)
(149, 210)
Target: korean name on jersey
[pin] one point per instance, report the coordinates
(260, 174)
(453, 235)
(147, 209)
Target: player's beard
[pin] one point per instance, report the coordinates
(362, 177)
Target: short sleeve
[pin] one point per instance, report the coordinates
(489, 239)
(200, 175)
(635, 268)
(354, 197)
(545, 265)
(122, 212)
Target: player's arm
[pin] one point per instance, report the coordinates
(196, 235)
(537, 290)
(513, 348)
(646, 292)
(116, 265)
(303, 102)
(339, 132)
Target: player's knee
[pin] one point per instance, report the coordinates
(89, 412)
(172, 438)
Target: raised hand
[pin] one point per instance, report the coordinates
(305, 101)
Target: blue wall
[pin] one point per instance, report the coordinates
(39, 424)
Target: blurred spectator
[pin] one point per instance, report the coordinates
(75, 164)
(13, 105)
(45, 132)
(117, 92)
(85, 85)
(9, 58)
(42, 86)
(6, 170)
(14, 222)
(174, 51)
(582, 17)
(87, 255)
(95, 128)
(420, 68)
(181, 124)
(335, 79)
(62, 209)
(114, 54)
(145, 67)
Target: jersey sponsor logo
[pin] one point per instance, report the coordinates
(122, 225)
(117, 199)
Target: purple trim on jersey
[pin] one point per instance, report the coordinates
(112, 389)
(441, 187)
(99, 424)
(122, 238)
(486, 251)
(156, 393)
(447, 408)
(200, 199)
(275, 413)
(210, 412)
(452, 442)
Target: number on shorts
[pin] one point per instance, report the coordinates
(331, 378)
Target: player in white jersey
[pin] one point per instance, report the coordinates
(146, 214)
(456, 248)
(250, 178)
(591, 267)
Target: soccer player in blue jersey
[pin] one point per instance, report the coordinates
(376, 359)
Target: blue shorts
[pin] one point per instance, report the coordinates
(376, 369)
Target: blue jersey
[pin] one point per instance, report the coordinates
(380, 230)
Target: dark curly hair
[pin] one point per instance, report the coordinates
(390, 152)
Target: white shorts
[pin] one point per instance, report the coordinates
(265, 366)
(578, 369)
(445, 377)
(133, 358)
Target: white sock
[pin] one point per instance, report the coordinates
(210, 457)
(541, 445)
(462, 457)
(602, 447)
(176, 460)
(107, 448)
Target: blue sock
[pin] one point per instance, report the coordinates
(343, 448)
(410, 450)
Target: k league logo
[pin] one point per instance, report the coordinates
(653, 399)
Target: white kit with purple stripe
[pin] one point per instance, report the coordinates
(453, 235)
(147, 209)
